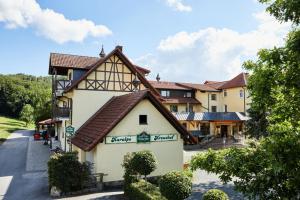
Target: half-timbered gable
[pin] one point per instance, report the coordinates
(113, 72)
(111, 75)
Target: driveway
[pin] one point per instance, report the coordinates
(203, 181)
(23, 174)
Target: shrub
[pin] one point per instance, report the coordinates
(143, 190)
(143, 162)
(215, 194)
(175, 185)
(130, 176)
(66, 172)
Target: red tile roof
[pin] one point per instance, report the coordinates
(68, 61)
(168, 85)
(48, 122)
(201, 87)
(238, 81)
(109, 115)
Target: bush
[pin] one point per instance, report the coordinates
(66, 172)
(143, 190)
(215, 194)
(130, 176)
(143, 162)
(175, 185)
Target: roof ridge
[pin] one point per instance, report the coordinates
(67, 54)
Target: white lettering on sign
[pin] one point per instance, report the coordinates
(133, 138)
(120, 139)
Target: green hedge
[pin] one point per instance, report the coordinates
(215, 194)
(66, 172)
(143, 190)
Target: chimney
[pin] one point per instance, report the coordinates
(102, 53)
(119, 47)
(157, 78)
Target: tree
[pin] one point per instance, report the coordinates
(18, 90)
(270, 168)
(143, 162)
(27, 114)
(175, 185)
(284, 10)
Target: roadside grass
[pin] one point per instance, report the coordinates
(9, 125)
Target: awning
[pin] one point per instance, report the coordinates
(48, 122)
(211, 116)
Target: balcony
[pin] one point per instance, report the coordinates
(61, 112)
(61, 85)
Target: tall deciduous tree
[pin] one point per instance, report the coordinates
(27, 114)
(269, 169)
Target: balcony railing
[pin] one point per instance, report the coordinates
(62, 84)
(61, 112)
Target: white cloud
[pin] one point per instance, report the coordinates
(178, 5)
(212, 53)
(52, 25)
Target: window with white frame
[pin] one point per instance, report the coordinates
(165, 93)
(188, 94)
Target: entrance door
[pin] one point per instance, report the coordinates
(224, 130)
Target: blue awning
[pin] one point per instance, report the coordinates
(211, 116)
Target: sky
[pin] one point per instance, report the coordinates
(182, 40)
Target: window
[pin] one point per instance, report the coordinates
(191, 108)
(213, 97)
(188, 94)
(225, 108)
(143, 119)
(65, 104)
(214, 109)
(241, 93)
(225, 93)
(70, 76)
(173, 108)
(165, 93)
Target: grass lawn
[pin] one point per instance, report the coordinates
(9, 125)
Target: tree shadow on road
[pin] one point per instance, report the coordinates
(200, 188)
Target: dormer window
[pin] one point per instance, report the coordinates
(188, 94)
(165, 93)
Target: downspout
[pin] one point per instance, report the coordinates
(244, 100)
(208, 101)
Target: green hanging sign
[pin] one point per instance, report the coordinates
(143, 138)
(70, 130)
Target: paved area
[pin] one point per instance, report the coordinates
(19, 180)
(23, 175)
(202, 181)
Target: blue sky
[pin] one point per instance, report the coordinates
(183, 40)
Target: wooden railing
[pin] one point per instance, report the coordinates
(62, 84)
(63, 112)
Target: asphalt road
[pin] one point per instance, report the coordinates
(15, 182)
